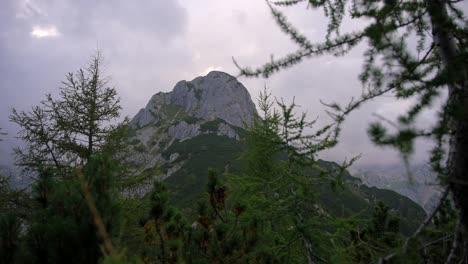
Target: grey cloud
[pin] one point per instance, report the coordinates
(140, 42)
(88, 18)
(150, 45)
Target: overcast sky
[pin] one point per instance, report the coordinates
(150, 45)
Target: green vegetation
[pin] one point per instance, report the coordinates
(198, 154)
(265, 198)
(140, 147)
(415, 52)
(190, 119)
(261, 194)
(212, 125)
(170, 110)
(134, 141)
(65, 131)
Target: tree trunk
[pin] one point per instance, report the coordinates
(457, 163)
(162, 246)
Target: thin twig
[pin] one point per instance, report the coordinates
(456, 240)
(436, 241)
(420, 228)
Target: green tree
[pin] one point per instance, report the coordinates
(222, 231)
(72, 147)
(62, 228)
(281, 184)
(166, 227)
(380, 236)
(13, 210)
(10, 221)
(66, 131)
(437, 63)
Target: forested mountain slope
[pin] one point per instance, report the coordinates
(200, 125)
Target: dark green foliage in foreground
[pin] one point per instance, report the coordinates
(416, 52)
(266, 200)
(10, 222)
(65, 131)
(221, 232)
(379, 236)
(61, 222)
(57, 226)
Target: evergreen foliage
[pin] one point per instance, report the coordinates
(280, 187)
(66, 131)
(435, 66)
(10, 221)
(62, 227)
(277, 203)
(74, 156)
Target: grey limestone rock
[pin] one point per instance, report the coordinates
(184, 130)
(216, 95)
(152, 112)
(226, 130)
(180, 115)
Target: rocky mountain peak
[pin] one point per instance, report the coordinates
(216, 95)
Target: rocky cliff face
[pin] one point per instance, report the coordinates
(215, 105)
(216, 95)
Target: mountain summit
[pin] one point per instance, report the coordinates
(199, 125)
(216, 95)
(212, 110)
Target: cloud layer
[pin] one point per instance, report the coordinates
(150, 45)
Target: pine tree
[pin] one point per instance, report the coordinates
(281, 183)
(222, 231)
(10, 221)
(66, 131)
(165, 229)
(72, 151)
(13, 212)
(437, 63)
(62, 228)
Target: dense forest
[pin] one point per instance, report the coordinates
(254, 192)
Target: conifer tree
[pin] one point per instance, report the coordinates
(62, 228)
(434, 66)
(222, 231)
(72, 149)
(281, 183)
(380, 236)
(165, 228)
(13, 211)
(10, 221)
(66, 131)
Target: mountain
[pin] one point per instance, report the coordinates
(201, 115)
(420, 185)
(201, 125)
(217, 95)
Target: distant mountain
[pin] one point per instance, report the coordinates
(201, 125)
(214, 107)
(217, 95)
(420, 185)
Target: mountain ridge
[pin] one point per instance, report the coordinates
(216, 95)
(179, 135)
